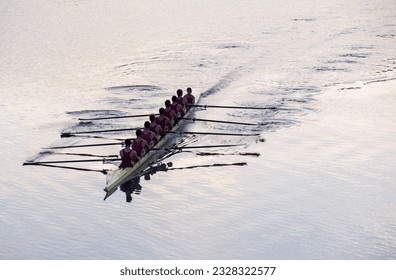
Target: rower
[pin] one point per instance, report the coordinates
(170, 113)
(180, 99)
(154, 127)
(139, 145)
(150, 137)
(163, 121)
(189, 97)
(128, 156)
(178, 108)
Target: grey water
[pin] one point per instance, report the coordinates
(323, 186)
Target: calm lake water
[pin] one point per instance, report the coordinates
(322, 188)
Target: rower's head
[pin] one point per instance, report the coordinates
(161, 111)
(152, 118)
(147, 124)
(189, 90)
(128, 142)
(179, 92)
(167, 103)
(138, 132)
(174, 98)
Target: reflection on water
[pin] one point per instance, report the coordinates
(134, 186)
(131, 187)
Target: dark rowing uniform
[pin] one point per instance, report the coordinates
(164, 122)
(178, 108)
(156, 128)
(148, 136)
(138, 147)
(126, 159)
(171, 114)
(182, 101)
(190, 99)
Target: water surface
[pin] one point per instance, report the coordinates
(323, 187)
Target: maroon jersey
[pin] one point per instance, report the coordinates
(147, 136)
(138, 147)
(162, 122)
(126, 159)
(168, 113)
(156, 128)
(181, 101)
(177, 108)
(190, 99)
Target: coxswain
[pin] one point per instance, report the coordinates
(180, 99)
(190, 99)
(179, 109)
(155, 127)
(128, 156)
(163, 121)
(150, 137)
(170, 113)
(139, 145)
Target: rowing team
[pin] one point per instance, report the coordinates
(156, 128)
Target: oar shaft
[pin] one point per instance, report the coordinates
(229, 154)
(218, 121)
(235, 107)
(67, 134)
(197, 147)
(83, 146)
(218, 133)
(207, 146)
(209, 165)
(85, 155)
(66, 161)
(104, 171)
(115, 117)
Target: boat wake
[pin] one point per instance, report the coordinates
(222, 83)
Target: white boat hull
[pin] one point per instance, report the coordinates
(117, 177)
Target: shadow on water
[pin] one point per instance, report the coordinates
(134, 187)
(131, 187)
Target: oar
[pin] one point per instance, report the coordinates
(67, 134)
(67, 161)
(217, 121)
(83, 146)
(166, 167)
(83, 155)
(209, 165)
(207, 146)
(104, 171)
(236, 107)
(115, 117)
(216, 133)
(200, 147)
(229, 154)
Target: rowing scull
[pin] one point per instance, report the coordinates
(116, 178)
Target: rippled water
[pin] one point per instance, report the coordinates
(323, 187)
